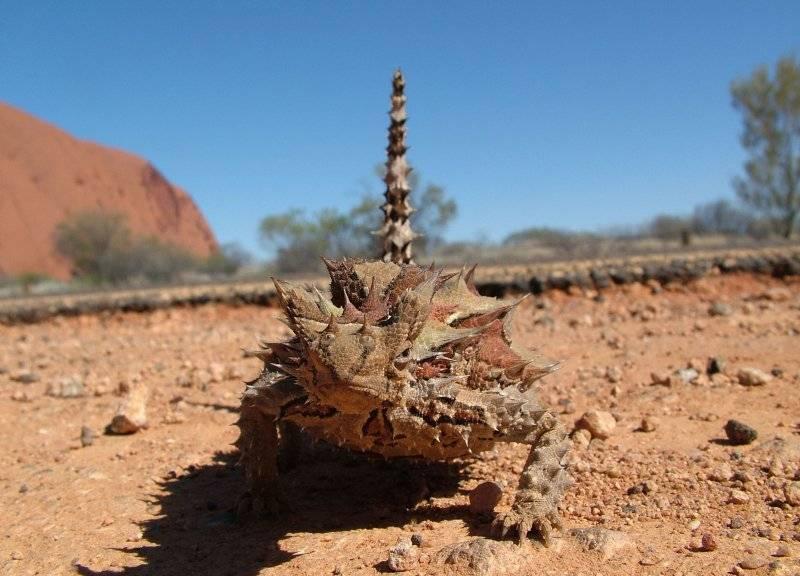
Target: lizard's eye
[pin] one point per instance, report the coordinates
(327, 338)
(367, 341)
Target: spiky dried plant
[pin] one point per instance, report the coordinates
(396, 230)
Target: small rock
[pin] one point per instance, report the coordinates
(484, 497)
(736, 522)
(708, 543)
(782, 551)
(646, 487)
(217, 372)
(24, 376)
(740, 433)
(600, 424)
(87, 436)
(201, 379)
(686, 375)
(403, 556)
(778, 294)
(17, 555)
(738, 497)
(694, 524)
(661, 378)
(23, 488)
(613, 374)
(418, 539)
(608, 542)
(721, 473)
(581, 438)
(792, 493)
(69, 387)
(753, 562)
(21, 396)
(648, 424)
(753, 377)
(715, 365)
(174, 417)
(131, 414)
(720, 309)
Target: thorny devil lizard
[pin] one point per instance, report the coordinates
(404, 361)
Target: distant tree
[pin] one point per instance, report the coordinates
(299, 239)
(667, 227)
(720, 217)
(770, 108)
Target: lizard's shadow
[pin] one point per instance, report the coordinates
(329, 490)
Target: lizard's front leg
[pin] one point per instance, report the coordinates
(259, 442)
(542, 482)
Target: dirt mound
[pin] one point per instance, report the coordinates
(46, 175)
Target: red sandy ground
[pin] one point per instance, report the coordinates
(160, 501)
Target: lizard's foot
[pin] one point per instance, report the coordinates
(252, 506)
(523, 520)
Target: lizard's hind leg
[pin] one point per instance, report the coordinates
(543, 480)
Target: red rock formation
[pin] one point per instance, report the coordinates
(46, 175)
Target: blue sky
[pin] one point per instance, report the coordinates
(580, 115)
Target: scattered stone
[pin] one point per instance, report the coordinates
(21, 396)
(69, 387)
(24, 376)
(687, 375)
(707, 542)
(613, 374)
(608, 542)
(720, 309)
(721, 473)
(418, 539)
(736, 522)
(738, 497)
(600, 424)
(87, 436)
(646, 487)
(716, 365)
(694, 524)
(174, 417)
(201, 379)
(792, 493)
(581, 438)
(777, 371)
(648, 424)
(131, 414)
(753, 377)
(778, 294)
(217, 371)
(403, 556)
(740, 433)
(782, 551)
(23, 488)
(661, 378)
(17, 555)
(753, 562)
(484, 497)
(481, 557)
